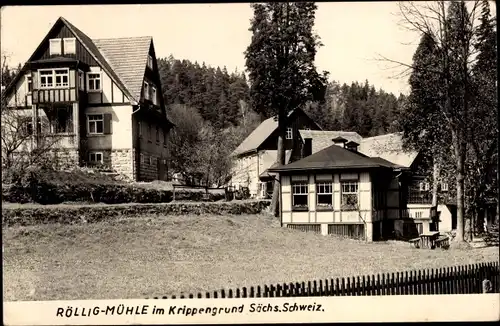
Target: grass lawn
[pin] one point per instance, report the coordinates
(150, 256)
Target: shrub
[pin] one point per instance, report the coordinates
(93, 213)
(47, 186)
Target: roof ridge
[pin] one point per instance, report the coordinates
(122, 38)
(84, 39)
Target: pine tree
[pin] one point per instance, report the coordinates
(280, 61)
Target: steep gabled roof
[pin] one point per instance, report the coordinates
(128, 57)
(257, 137)
(333, 158)
(115, 63)
(388, 147)
(89, 45)
(260, 134)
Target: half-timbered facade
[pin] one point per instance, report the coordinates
(101, 98)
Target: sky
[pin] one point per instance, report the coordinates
(354, 34)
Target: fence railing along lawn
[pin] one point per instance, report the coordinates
(465, 279)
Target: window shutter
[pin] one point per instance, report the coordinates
(107, 123)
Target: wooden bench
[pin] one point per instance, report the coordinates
(415, 242)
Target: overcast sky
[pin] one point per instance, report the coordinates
(354, 34)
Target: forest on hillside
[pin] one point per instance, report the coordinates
(222, 99)
(211, 108)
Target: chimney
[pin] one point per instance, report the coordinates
(339, 141)
(307, 147)
(352, 146)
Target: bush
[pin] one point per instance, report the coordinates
(46, 187)
(24, 216)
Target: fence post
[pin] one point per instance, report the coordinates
(487, 284)
(406, 281)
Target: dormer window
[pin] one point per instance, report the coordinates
(69, 45)
(150, 62)
(146, 90)
(55, 46)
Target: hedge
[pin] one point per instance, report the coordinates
(73, 214)
(54, 187)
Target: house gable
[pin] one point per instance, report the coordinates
(86, 52)
(60, 31)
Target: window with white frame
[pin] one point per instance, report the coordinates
(349, 195)
(54, 78)
(146, 90)
(324, 194)
(95, 124)
(424, 186)
(289, 133)
(150, 61)
(299, 195)
(153, 94)
(69, 45)
(150, 160)
(62, 77)
(95, 158)
(143, 159)
(94, 81)
(81, 80)
(29, 81)
(55, 46)
(444, 186)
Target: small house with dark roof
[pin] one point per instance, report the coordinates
(340, 191)
(100, 98)
(258, 152)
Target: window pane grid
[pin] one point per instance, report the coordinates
(96, 124)
(60, 76)
(349, 195)
(299, 194)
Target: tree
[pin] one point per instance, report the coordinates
(483, 155)
(183, 141)
(280, 62)
(451, 26)
(423, 125)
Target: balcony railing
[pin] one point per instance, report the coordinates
(54, 95)
(419, 197)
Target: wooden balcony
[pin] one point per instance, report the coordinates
(54, 95)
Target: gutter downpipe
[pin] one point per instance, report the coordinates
(137, 161)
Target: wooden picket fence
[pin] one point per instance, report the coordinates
(464, 279)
